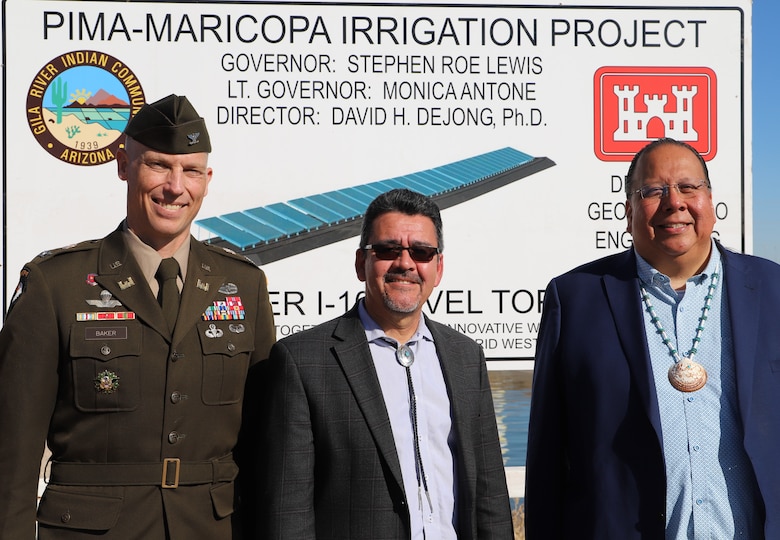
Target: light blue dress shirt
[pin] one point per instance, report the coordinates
(434, 425)
(711, 489)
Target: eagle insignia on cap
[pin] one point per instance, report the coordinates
(193, 137)
(106, 382)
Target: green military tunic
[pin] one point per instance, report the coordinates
(141, 423)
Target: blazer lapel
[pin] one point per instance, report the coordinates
(453, 366)
(623, 297)
(353, 355)
(204, 277)
(119, 274)
(742, 293)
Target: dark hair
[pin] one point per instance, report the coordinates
(406, 202)
(652, 146)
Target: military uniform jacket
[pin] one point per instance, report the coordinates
(141, 424)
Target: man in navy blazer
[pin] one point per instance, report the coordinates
(380, 423)
(655, 409)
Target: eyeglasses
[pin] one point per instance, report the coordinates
(685, 189)
(390, 252)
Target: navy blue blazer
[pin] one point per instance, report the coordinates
(595, 465)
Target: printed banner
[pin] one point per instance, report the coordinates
(519, 121)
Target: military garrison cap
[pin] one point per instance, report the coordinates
(170, 125)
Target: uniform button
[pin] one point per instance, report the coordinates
(65, 517)
(175, 397)
(231, 347)
(176, 356)
(105, 350)
(173, 437)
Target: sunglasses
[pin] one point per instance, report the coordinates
(390, 252)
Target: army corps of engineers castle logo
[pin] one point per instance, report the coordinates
(79, 104)
(636, 105)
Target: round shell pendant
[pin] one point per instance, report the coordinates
(687, 375)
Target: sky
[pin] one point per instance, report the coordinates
(766, 137)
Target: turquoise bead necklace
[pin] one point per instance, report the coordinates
(686, 375)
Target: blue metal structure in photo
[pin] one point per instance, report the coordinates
(280, 230)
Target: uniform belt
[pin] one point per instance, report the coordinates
(170, 473)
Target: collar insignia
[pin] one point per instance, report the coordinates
(129, 282)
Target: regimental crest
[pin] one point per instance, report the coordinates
(107, 382)
(20, 288)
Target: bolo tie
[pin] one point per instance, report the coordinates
(405, 356)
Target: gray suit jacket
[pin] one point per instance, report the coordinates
(331, 470)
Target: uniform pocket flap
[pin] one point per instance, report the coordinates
(230, 338)
(70, 509)
(105, 341)
(223, 498)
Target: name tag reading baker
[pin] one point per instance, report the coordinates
(113, 332)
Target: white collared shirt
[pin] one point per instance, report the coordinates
(434, 424)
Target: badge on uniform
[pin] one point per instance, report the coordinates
(105, 301)
(21, 286)
(105, 316)
(213, 331)
(228, 288)
(129, 282)
(231, 309)
(106, 382)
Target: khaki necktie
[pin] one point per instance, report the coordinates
(169, 291)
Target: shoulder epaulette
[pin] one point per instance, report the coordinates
(81, 246)
(227, 252)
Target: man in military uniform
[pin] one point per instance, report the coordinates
(135, 379)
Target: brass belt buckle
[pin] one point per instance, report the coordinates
(175, 462)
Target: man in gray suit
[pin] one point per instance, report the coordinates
(380, 423)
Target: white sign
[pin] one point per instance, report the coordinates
(309, 99)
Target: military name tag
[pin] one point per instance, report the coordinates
(102, 333)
